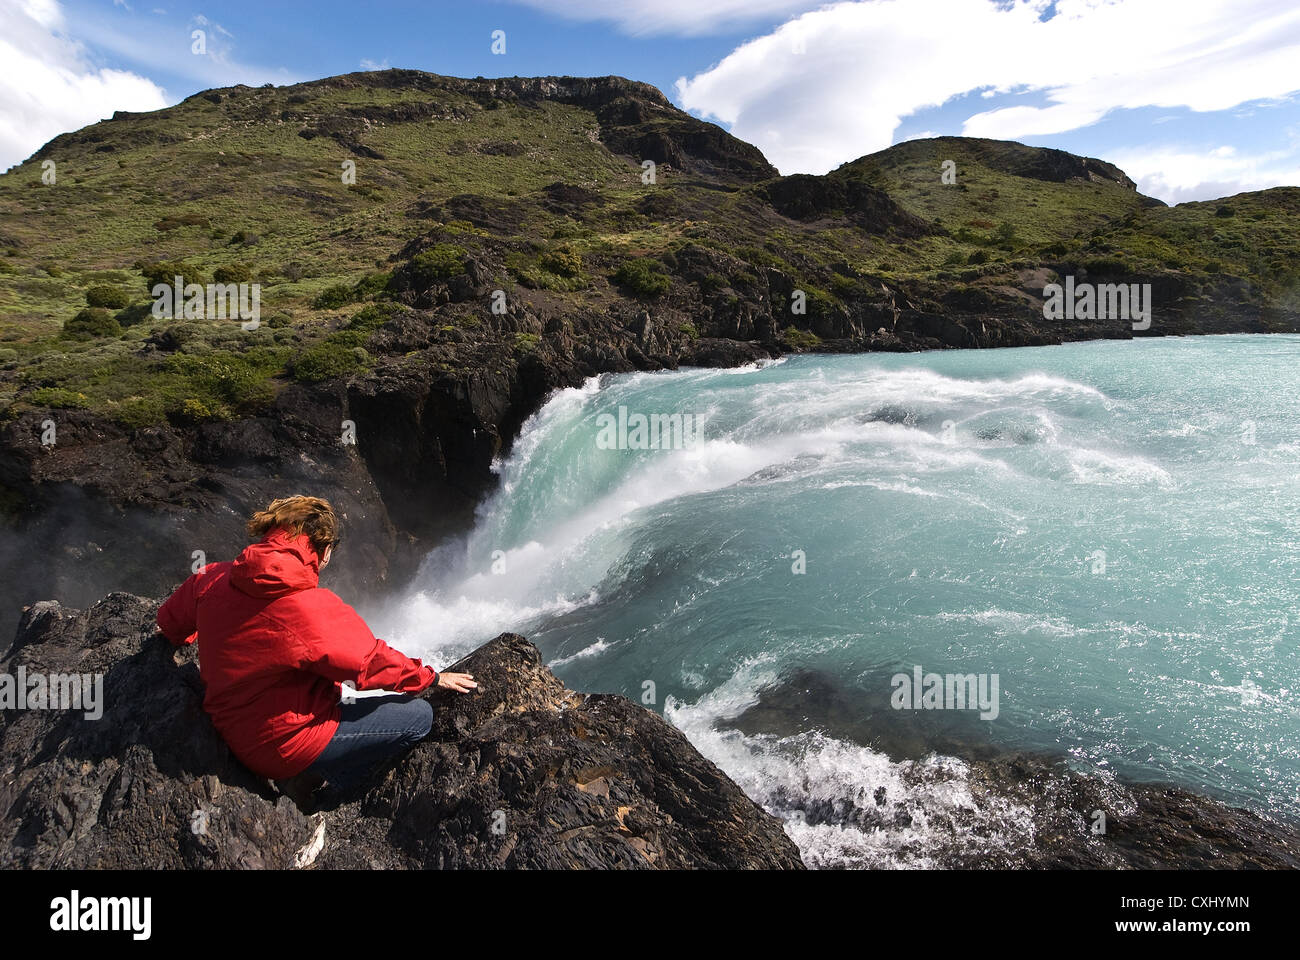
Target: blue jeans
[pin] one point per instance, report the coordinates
(371, 731)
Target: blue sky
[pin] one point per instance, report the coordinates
(1195, 99)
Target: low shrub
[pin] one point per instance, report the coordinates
(58, 398)
(643, 277)
(327, 359)
(797, 339)
(103, 295)
(166, 271)
(372, 285)
(235, 273)
(333, 297)
(90, 323)
(563, 261)
(438, 264)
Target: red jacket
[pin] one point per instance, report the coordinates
(273, 647)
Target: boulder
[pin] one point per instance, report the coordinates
(523, 773)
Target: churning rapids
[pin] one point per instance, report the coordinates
(1110, 529)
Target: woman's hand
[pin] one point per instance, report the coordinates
(460, 682)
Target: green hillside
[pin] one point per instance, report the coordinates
(534, 187)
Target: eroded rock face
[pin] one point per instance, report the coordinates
(522, 774)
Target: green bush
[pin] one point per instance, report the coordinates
(712, 283)
(166, 271)
(819, 303)
(135, 313)
(798, 339)
(643, 277)
(92, 322)
(235, 273)
(844, 287)
(438, 264)
(327, 359)
(333, 297)
(58, 397)
(563, 261)
(371, 317)
(221, 383)
(103, 295)
(979, 256)
(372, 285)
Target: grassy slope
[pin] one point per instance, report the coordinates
(1253, 235)
(234, 172)
(225, 179)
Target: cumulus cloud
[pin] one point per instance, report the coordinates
(1177, 174)
(683, 17)
(49, 86)
(834, 83)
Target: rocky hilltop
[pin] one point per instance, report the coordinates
(524, 773)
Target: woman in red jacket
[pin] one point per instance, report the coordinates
(274, 647)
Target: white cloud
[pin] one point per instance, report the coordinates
(866, 65)
(1179, 174)
(684, 17)
(151, 42)
(48, 85)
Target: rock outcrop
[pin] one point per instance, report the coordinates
(522, 774)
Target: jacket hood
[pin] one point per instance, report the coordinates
(277, 565)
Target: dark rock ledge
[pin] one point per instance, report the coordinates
(523, 774)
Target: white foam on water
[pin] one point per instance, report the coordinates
(927, 805)
(591, 650)
(1010, 621)
(445, 627)
(1096, 466)
(765, 363)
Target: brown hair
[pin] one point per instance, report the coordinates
(310, 515)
